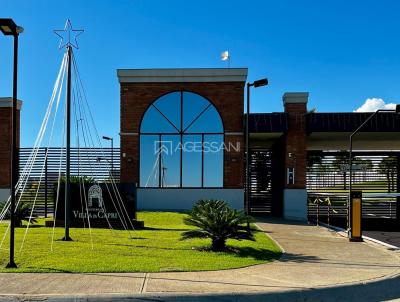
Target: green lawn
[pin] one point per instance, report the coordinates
(157, 248)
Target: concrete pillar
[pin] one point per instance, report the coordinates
(5, 144)
(295, 193)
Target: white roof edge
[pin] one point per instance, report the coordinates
(182, 75)
(295, 97)
(6, 102)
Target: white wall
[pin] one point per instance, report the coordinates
(4, 194)
(295, 204)
(183, 199)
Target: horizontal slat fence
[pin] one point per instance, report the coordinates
(96, 163)
(328, 181)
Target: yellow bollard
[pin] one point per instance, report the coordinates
(355, 216)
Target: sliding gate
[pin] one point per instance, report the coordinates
(265, 194)
(374, 173)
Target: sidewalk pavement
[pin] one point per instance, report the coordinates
(315, 259)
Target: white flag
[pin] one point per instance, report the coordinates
(225, 55)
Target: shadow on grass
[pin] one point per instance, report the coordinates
(152, 247)
(34, 226)
(49, 270)
(163, 229)
(257, 254)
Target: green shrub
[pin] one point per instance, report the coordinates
(22, 213)
(78, 179)
(219, 222)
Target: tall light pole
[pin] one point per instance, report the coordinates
(107, 138)
(9, 28)
(255, 84)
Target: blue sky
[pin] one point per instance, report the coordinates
(342, 52)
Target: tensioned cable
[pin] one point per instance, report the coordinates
(59, 176)
(45, 159)
(153, 170)
(43, 127)
(83, 126)
(23, 179)
(78, 146)
(37, 147)
(91, 138)
(81, 181)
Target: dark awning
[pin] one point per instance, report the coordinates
(350, 121)
(267, 122)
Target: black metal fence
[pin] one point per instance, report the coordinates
(42, 173)
(260, 193)
(266, 174)
(328, 183)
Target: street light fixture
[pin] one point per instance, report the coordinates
(107, 138)
(9, 28)
(255, 84)
(396, 110)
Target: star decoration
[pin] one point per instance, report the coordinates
(68, 35)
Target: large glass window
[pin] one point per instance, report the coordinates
(181, 143)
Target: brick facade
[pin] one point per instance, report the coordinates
(227, 97)
(296, 142)
(5, 146)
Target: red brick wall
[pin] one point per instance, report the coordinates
(5, 145)
(295, 143)
(233, 162)
(135, 99)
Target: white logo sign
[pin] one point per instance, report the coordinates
(95, 197)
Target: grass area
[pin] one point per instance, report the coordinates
(156, 248)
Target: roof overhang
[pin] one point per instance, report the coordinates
(182, 75)
(361, 141)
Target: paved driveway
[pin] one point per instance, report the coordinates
(314, 258)
(392, 238)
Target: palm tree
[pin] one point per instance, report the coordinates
(22, 213)
(341, 164)
(388, 167)
(366, 165)
(315, 166)
(219, 222)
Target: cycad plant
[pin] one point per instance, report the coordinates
(22, 213)
(219, 222)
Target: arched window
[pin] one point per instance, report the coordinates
(181, 143)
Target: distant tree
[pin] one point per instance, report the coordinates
(366, 164)
(340, 164)
(314, 160)
(79, 179)
(314, 166)
(388, 167)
